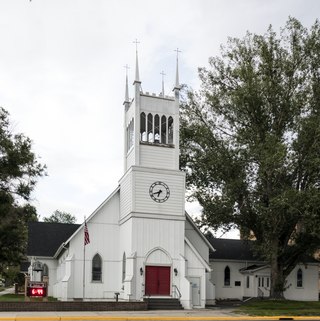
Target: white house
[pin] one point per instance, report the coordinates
(238, 274)
(142, 244)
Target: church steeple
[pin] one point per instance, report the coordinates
(177, 86)
(137, 76)
(152, 126)
(126, 97)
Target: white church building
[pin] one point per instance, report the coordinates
(142, 243)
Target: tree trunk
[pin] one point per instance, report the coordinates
(277, 278)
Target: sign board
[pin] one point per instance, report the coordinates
(37, 289)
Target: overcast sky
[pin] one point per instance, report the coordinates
(62, 76)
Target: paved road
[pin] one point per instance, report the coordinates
(187, 315)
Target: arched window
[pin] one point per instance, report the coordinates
(97, 268)
(227, 276)
(45, 271)
(299, 278)
(150, 128)
(170, 130)
(143, 129)
(124, 261)
(157, 129)
(163, 130)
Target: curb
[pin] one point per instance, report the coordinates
(151, 318)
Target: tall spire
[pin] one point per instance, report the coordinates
(126, 98)
(163, 74)
(137, 77)
(177, 85)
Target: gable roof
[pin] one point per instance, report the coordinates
(239, 250)
(229, 249)
(45, 238)
(79, 226)
(203, 237)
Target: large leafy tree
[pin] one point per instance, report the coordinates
(250, 144)
(19, 171)
(60, 217)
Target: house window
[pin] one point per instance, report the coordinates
(124, 260)
(299, 279)
(227, 276)
(248, 281)
(97, 268)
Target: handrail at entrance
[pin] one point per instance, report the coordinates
(176, 290)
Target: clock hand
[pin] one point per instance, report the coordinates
(159, 192)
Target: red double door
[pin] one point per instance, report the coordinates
(157, 280)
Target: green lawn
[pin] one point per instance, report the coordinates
(281, 307)
(19, 298)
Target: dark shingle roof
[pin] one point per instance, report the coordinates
(228, 249)
(45, 238)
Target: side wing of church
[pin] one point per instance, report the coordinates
(142, 243)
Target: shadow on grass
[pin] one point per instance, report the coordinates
(280, 308)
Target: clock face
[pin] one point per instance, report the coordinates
(159, 192)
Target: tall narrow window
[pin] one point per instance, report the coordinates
(130, 135)
(150, 128)
(227, 276)
(157, 129)
(299, 279)
(97, 268)
(163, 130)
(143, 129)
(170, 130)
(248, 281)
(124, 261)
(45, 271)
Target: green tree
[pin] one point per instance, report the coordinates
(60, 217)
(19, 171)
(250, 144)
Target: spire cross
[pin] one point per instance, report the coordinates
(136, 42)
(177, 51)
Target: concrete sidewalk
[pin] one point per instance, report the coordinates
(7, 291)
(167, 315)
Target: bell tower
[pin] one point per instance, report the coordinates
(152, 192)
(151, 126)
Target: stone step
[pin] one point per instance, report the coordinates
(163, 304)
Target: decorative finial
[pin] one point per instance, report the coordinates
(163, 74)
(126, 99)
(177, 85)
(137, 77)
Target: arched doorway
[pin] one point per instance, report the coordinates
(158, 273)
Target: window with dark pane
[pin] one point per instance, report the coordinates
(97, 268)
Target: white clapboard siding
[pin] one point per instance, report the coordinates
(145, 204)
(152, 234)
(153, 104)
(157, 157)
(130, 159)
(126, 195)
